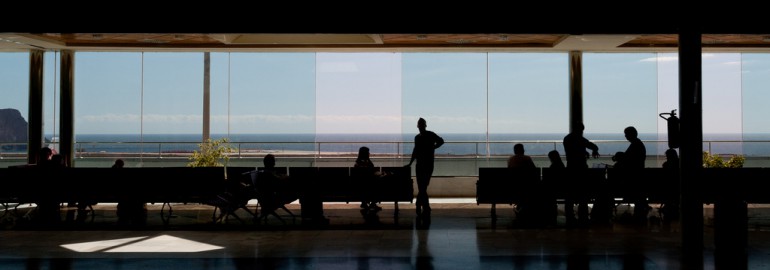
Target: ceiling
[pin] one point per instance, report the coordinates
(372, 42)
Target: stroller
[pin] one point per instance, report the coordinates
(236, 196)
(273, 191)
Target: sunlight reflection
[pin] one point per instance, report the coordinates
(162, 243)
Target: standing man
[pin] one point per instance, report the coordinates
(575, 146)
(425, 144)
(635, 156)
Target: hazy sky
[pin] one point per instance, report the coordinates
(387, 92)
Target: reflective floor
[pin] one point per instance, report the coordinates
(459, 235)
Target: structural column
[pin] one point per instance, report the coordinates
(690, 151)
(35, 108)
(575, 89)
(206, 96)
(67, 107)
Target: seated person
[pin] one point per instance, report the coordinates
(363, 161)
(556, 162)
(274, 182)
(519, 159)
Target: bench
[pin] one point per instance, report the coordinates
(345, 184)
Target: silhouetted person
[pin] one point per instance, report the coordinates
(670, 207)
(118, 164)
(425, 145)
(636, 153)
(519, 159)
(57, 161)
(47, 209)
(278, 182)
(275, 189)
(575, 146)
(620, 160)
(131, 212)
(530, 206)
(633, 160)
(363, 161)
(672, 159)
(44, 157)
(555, 158)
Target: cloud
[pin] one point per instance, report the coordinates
(660, 59)
(359, 118)
(253, 118)
(191, 118)
(112, 118)
(449, 119)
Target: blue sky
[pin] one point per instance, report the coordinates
(387, 92)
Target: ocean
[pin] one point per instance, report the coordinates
(460, 144)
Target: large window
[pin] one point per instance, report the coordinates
(620, 90)
(448, 90)
(14, 109)
(358, 100)
(528, 100)
(722, 108)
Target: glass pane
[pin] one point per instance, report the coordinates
(722, 110)
(448, 90)
(173, 95)
(272, 104)
(220, 95)
(755, 83)
(14, 108)
(107, 107)
(668, 98)
(51, 95)
(620, 90)
(358, 103)
(528, 100)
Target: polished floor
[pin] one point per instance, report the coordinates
(459, 235)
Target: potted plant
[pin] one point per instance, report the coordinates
(212, 153)
(715, 161)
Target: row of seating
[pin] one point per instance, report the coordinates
(656, 185)
(192, 185)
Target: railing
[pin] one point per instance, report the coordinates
(398, 149)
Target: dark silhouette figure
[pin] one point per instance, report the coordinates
(620, 160)
(636, 153)
(275, 189)
(44, 157)
(47, 209)
(118, 164)
(633, 161)
(670, 207)
(575, 146)
(363, 161)
(555, 158)
(519, 159)
(130, 211)
(425, 145)
(530, 210)
(672, 159)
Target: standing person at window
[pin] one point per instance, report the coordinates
(575, 146)
(633, 160)
(425, 145)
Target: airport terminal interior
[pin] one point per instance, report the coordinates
(460, 233)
